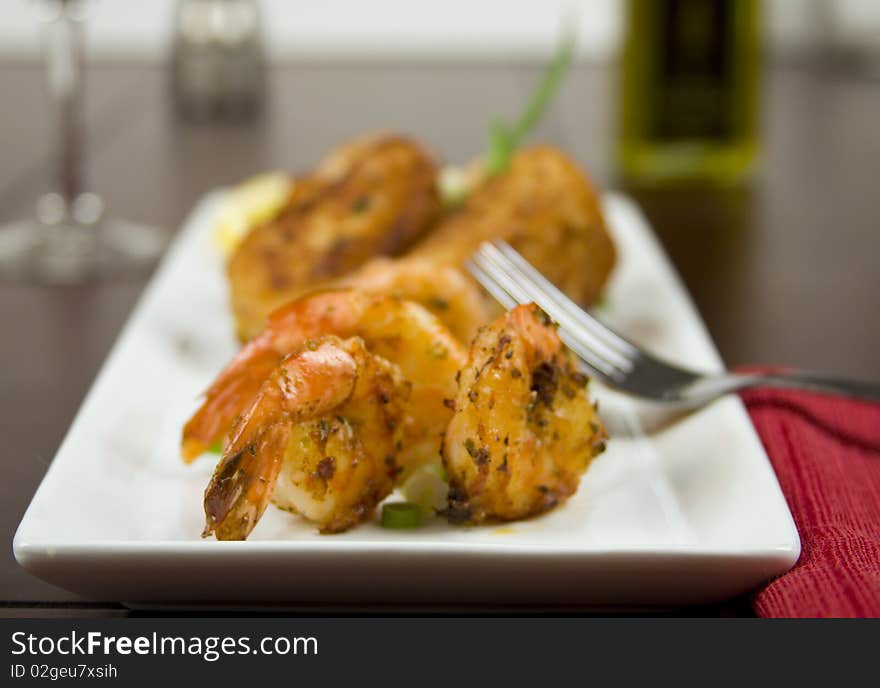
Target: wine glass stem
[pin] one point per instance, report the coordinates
(64, 62)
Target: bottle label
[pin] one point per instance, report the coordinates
(693, 71)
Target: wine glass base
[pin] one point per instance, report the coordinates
(68, 252)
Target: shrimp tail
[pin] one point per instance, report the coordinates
(287, 329)
(304, 385)
(224, 400)
(242, 485)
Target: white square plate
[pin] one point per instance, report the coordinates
(687, 513)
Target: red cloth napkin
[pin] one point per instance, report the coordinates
(826, 452)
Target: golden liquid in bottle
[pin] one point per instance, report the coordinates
(689, 92)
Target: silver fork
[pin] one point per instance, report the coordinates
(615, 360)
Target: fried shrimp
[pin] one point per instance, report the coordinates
(374, 196)
(444, 290)
(398, 330)
(524, 429)
(318, 439)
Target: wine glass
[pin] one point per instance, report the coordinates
(70, 239)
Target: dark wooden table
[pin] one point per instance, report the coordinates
(788, 272)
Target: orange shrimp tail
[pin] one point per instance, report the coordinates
(225, 400)
(304, 385)
(288, 329)
(242, 485)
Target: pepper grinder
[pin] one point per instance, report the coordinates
(217, 63)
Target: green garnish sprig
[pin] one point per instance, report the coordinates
(504, 139)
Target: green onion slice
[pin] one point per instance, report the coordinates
(401, 515)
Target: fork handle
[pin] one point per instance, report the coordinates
(799, 380)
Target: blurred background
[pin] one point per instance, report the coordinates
(453, 29)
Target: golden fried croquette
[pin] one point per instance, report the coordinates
(547, 209)
(374, 196)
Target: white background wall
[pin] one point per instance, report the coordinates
(444, 29)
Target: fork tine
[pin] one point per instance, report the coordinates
(603, 332)
(555, 302)
(491, 285)
(496, 273)
(593, 352)
(487, 277)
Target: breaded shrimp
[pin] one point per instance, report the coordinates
(400, 331)
(318, 439)
(524, 429)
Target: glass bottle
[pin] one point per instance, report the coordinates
(689, 92)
